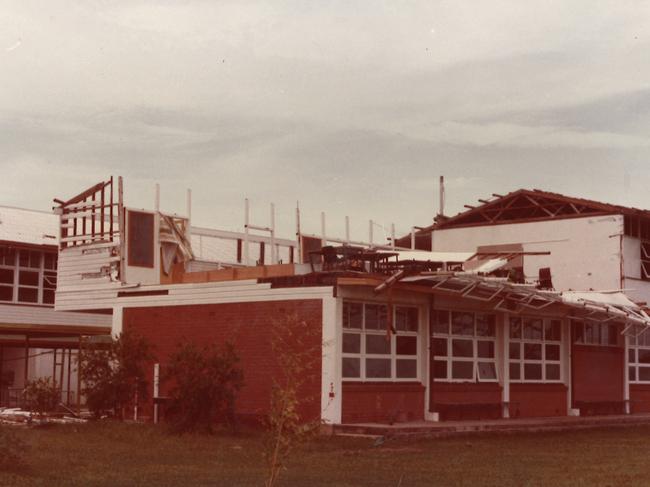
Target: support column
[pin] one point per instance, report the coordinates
(26, 375)
(505, 365)
(566, 363)
(2, 361)
(626, 375)
(80, 343)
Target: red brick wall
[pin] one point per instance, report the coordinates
(538, 400)
(597, 373)
(465, 393)
(386, 402)
(247, 325)
(640, 398)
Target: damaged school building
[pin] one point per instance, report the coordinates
(35, 340)
(531, 304)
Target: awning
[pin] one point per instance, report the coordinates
(510, 297)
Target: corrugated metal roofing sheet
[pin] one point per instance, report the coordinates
(28, 226)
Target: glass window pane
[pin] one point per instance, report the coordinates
(632, 374)
(533, 371)
(352, 315)
(406, 345)
(7, 276)
(462, 348)
(553, 330)
(351, 343)
(34, 259)
(487, 371)
(592, 333)
(485, 349)
(533, 351)
(644, 374)
(377, 368)
(351, 367)
(406, 369)
(377, 344)
(462, 323)
(440, 347)
(48, 296)
(49, 280)
(406, 318)
(376, 316)
(441, 322)
(515, 350)
(50, 261)
(439, 369)
(631, 355)
(515, 371)
(515, 327)
(533, 328)
(28, 294)
(23, 258)
(644, 356)
(462, 370)
(28, 278)
(578, 331)
(613, 335)
(6, 293)
(552, 371)
(485, 325)
(7, 256)
(552, 352)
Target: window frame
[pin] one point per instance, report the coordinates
(634, 365)
(583, 323)
(18, 267)
(392, 355)
(543, 342)
(449, 358)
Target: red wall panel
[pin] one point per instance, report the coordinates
(465, 393)
(247, 326)
(538, 400)
(385, 402)
(597, 373)
(640, 398)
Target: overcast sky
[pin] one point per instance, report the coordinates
(352, 107)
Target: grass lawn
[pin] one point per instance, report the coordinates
(113, 454)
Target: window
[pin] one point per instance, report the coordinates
(534, 353)
(27, 276)
(368, 352)
(463, 346)
(639, 358)
(140, 238)
(596, 333)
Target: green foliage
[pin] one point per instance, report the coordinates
(12, 449)
(297, 347)
(205, 384)
(42, 395)
(113, 374)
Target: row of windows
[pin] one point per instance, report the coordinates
(463, 345)
(27, 276)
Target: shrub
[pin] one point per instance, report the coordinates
(113, 374)
(204, 387)
(42, 395)
(297, 347)
(12, 449)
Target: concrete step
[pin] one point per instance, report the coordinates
(453, 428)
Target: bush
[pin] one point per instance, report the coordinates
(205, 384)
(42, 395)
(12, 449)
(113, 375)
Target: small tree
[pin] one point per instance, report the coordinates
(113, 374)
(297, 347)
(42, 395)
(204, 387)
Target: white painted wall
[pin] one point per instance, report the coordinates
(331, 393)
(585, 252)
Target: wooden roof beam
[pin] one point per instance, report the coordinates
(539, 205)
